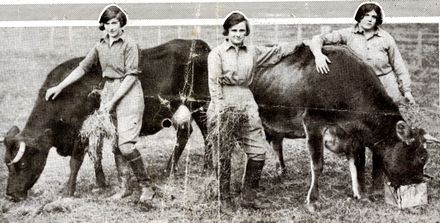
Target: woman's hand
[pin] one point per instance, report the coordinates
(321, 61)
(53, 92)
(108, 107)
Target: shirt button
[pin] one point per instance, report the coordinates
(369, 58)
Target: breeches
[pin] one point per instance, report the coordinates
(128, 111)
(252, 137)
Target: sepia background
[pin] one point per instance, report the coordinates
(28, 54)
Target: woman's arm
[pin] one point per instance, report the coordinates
(120, 93)
(400, 70)
(321, 60)
(316, 43)
(84, 66)
(214, 73)
(53, 92)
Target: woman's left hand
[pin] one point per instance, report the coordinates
(409, 98)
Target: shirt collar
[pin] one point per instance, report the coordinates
(228, 45)
(357, 30)
(121, 37)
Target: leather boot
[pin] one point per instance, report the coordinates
(123, 177)
(249, 195)
(138, 167)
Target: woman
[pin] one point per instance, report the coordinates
(230, 68)
(374, 45)
(122, 95)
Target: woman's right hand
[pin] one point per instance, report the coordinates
(53, 92)
(321, 61)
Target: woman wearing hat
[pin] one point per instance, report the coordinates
(122, 95)
(374, 45)
(230, 69)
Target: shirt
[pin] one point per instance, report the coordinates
(232, 65)
(117, 60)
(379, 51)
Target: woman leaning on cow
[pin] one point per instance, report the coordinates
(374, 45)
(122, 95)
(230, 69)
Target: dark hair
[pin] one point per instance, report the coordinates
(110, 13)
(367, 7)
(233, 20)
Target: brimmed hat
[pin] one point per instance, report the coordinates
(108, 6)
(374, 3)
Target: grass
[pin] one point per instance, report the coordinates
(27, 56)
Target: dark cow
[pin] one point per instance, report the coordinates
(344, 111)
(173, 73)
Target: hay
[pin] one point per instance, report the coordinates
(413, 115)
(96, 128)
(224, 138)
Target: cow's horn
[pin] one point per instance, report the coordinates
(429, 138)
(19, 154)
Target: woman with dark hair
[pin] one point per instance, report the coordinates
(122, 95)
(230, 69)
(374, 45)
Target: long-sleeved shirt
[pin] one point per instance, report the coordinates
(117, 60)
(379, 51)
(232, 65)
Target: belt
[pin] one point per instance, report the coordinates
(380, 75)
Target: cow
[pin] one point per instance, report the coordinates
(173, 74)
(344, 111)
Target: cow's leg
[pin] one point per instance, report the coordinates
(99, 173)
(360, 166)
(377, 172)
(183, 134)
(314, 144)
(277, 145)
(75, 164)
(354, 178)
(200, 119)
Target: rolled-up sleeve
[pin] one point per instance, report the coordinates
(399, 66)
(132, 55)
(214, 72)
(269, 55)
(335, 37)
(91, 59)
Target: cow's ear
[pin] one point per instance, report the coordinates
(44, 141)
(13, 131)
(8, 140)
(403, 131)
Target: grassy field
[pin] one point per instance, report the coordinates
(28, 54)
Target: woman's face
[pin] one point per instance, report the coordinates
(113, 28)
(236, 34)
(369, 21)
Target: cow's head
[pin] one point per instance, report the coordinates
(25, 159)
(404, 159)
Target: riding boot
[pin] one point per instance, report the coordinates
(123, 177)
(249, 195)
(138, 167)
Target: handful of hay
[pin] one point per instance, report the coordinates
(224, 136)
(96, 128)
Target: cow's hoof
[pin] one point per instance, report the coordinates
(312, 208)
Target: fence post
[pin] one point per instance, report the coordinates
(419, 49)
(159, 36)
(299, 33)
(179, 32)
(276, 33)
